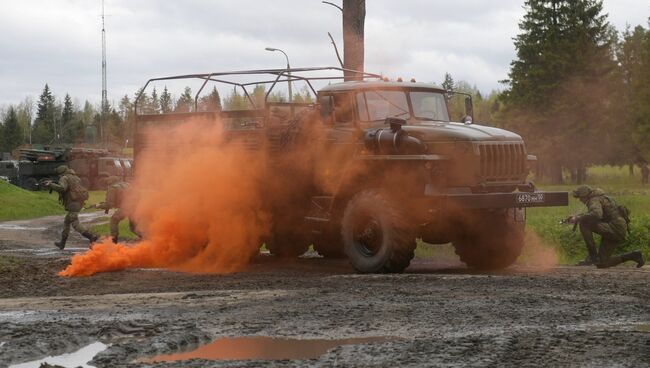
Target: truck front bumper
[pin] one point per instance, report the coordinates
(502, 200)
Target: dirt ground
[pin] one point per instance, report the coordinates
(436, 314)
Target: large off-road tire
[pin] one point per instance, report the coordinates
(287, 245)
(377, 236)
(30, 184)
(491, 241)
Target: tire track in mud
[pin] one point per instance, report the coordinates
(520, 317)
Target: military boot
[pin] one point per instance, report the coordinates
(90, 236)
(635, 256)
(61, 244)
(114, 238)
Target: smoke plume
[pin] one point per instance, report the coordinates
(197, 199)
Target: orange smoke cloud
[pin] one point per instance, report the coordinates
(197, 199)
(537, 253)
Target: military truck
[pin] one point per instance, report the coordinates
(93, 166)
(397, 169)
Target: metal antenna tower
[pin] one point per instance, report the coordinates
(104, 106)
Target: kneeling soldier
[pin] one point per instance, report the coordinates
(604, 217)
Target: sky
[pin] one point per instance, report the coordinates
(59, 41)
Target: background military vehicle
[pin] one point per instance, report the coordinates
(93, 166)
(398, 169)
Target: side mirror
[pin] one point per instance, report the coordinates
(469, 108)
(326, 108)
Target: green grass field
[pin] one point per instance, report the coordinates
(20, 204)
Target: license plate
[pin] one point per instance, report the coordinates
(530, 198)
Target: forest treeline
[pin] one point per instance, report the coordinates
(578, 92)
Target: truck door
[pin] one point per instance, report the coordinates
(342, 136)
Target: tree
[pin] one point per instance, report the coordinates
(43, 130)
(166, 101)
(211, 102)
(634, 57)
(558, 95)
(67, 116)
(354, 16)
(448, 83)
(154, 106)
(12, 133)
(185, 103)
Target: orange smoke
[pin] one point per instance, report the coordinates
(197, 199)
(537, 253)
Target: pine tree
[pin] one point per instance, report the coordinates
(185, 103)
(67, 115)
(448, 83)
(558, 95)
(154, 107)
(12, 133)
(45, 116)
(211, 102)
(166, 101)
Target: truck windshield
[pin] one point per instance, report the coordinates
(379, 105)
(429, 106)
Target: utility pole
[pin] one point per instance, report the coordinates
(104, 104)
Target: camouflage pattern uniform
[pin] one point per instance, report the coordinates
(604, 218)
(114, 197)
(67, 187)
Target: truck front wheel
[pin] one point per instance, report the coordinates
(377, 236)
(490, 241)
(287, 245)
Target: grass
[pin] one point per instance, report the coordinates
(104, 229)
(20, 204)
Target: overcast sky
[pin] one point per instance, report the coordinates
(59, 41)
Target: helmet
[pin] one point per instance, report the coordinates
(61, 170)
(582, 191)
(112, 180)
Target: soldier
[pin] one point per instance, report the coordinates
(114, 199)
(604, 217)
(72, 195)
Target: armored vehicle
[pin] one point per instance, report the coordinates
(386, 166)
(93, 166)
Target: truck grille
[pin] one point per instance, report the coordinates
(503, 161)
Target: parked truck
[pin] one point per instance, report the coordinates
(404, 169)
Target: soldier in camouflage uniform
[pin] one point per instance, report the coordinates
(72, 195)
(603, 217)
(114, 199)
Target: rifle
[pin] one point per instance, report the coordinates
(570, 220)
(97, 205)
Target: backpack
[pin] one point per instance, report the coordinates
(77, 192)
(623, 211)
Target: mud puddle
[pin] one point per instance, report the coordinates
(79, 358)
(263, 348)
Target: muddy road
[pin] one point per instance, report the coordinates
(436, 314)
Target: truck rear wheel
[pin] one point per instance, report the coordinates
(491, 241)
(30, 184)
(377, 236)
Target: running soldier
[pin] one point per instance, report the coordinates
(72, 195)
(115, 194)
